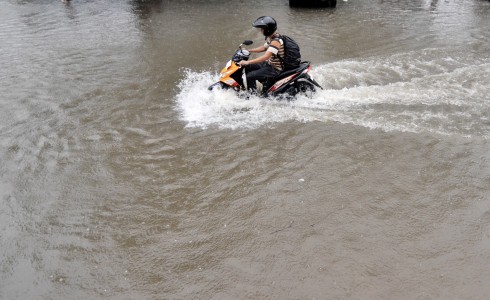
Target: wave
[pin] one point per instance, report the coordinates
(428, 90)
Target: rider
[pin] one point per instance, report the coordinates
(269, 65)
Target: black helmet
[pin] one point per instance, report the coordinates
(267, 23)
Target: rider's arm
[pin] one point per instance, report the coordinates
(272, 49)
(258, 49)
(257, 60)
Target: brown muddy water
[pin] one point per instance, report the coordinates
(123, 177)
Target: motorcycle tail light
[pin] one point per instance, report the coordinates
(306, 70)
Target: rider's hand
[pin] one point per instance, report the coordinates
(243, 63)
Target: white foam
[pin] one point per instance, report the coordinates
(412, 92)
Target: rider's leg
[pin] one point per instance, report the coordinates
(261, 72)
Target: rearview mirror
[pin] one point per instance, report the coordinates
(248, 42)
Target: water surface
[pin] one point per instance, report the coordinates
(122, 177)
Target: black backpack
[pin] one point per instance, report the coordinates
(292, 56)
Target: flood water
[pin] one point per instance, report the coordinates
(123, 177)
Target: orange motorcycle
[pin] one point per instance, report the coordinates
(288, 83)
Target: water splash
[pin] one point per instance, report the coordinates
(409, 92)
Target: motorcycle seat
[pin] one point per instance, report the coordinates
(287, 73)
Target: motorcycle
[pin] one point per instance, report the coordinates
(288, 83)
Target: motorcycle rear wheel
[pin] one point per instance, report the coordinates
(306, 88)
